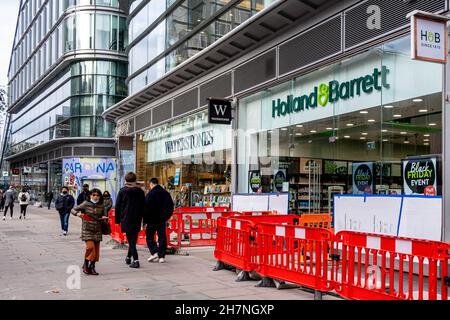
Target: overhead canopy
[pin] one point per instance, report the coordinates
(253, 32)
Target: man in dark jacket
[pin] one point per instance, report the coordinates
(129, 210)
(84, 195)
(159, 208)
(64, 204)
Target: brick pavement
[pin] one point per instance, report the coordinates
(35, 259)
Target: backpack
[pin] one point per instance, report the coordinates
(23, 198)
(168, 207)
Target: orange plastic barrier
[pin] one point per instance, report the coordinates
(193, 229)
(316, 220)
(375, 267)
(236, 239)
(295, 254)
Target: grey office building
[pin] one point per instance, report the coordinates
(68, 65)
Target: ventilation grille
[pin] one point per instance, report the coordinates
(393, 16)
(82, 151)
(143, 120)
(104, 151)
(217, 88)
(162, 112)
(313, 45)
(255, 72)
(185, 102)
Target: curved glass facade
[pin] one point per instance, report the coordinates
(72, 106)
(167, 39)
(45, 33)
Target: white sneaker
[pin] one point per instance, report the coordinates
(65, 233)
(162, 260)
(153, 257)
(4, 218)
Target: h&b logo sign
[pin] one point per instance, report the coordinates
(429, 36)
(219, 111)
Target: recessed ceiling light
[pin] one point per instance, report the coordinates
(291, 134)
(397, 115)
(388, 107)
(336, 129)
(426, 140)
(313, 131)
(403, 133)
(299, 126)
(371, 120)
(406, 142)
(364, 112)
(423, 110)
(432, 124)
(426, 144)
(418, 100)
(347, 137)
(384, 131)
(426, 135)
(299, 134)
(362, 138)
(385, 140)
(329, 128)
(364, 133)
(284, 129)
(350, 124)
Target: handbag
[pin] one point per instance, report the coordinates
(106, 227)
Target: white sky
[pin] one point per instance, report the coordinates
(8, 16)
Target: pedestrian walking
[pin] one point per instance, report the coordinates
(49, 199)
(24, 200)
(10, 197)
(2, 199)
(107, 202)
(129, 211)
(159, 209)
(84, 195)
(64, 203)
(91, 228)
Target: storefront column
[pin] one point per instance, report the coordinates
(49, 184)
(446, 154)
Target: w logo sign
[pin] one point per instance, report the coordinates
(219, 111)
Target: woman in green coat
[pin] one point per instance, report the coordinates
(92, 215)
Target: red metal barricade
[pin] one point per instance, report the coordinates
(295, 254)
(376, 267)
(200, 209)
(257, 213)
(236, 239)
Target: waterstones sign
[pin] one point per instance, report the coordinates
(332, 92)
(190, 142)
(204, 140)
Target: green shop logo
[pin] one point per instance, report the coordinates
(332, 92)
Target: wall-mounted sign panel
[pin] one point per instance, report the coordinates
(429, 37)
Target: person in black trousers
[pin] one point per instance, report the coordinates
(50, 198)
(129, 210)
(159, 209)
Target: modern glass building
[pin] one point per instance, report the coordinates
(68, 65)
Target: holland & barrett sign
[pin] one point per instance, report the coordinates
(420, 176)
(332, 92)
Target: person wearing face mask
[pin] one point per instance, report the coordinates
(64, 203)
(92, 213)
(84, 195)
(107, 202)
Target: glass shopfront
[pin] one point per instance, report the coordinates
(371, 124)
(190, 158)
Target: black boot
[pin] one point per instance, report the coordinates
(92, 268)
(86, 268)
